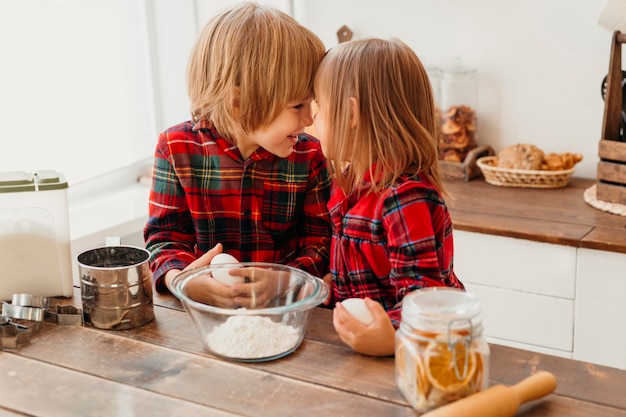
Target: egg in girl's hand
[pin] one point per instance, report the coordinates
(357, 309)
(222, 274)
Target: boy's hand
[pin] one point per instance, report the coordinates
(261, 285)
(205, 288)
(205, 259)
(328, 280)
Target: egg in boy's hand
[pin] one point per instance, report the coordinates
(222, 274)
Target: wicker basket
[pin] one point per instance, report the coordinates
(524, 178)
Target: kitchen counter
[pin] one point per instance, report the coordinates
(536, 258)
(161, 369)
(558, 216)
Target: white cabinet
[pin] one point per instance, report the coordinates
(561, 298)
(548, 298)
(526, 288)
(600, 327)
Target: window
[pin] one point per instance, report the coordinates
(76, 86)
(85, 88)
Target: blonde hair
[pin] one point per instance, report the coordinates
(394, 128)
(247, 65)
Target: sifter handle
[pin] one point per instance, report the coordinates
(113, 241)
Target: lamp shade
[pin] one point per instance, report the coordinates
(614, 16)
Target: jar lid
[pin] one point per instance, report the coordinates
(457, 69)
(442, 309)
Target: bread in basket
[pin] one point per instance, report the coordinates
(526, 166)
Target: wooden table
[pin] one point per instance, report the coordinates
(161, 369)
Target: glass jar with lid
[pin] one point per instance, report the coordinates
(440, 354)
(434, 77)
(457, 107)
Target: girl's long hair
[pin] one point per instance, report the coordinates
(395, 129)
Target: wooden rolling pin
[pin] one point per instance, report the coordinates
(499, 400)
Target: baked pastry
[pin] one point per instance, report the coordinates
(521, 156)
(527, 156)
(457, 133)
(559, 162)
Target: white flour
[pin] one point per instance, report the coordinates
(252, 337)
(33, 264)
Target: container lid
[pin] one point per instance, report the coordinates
(19, 181)
(442, 309)
(456, 69)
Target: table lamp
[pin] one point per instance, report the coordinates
(611, 185)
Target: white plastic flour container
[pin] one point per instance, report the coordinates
(35, 251)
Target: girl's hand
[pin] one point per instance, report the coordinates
(375, 339)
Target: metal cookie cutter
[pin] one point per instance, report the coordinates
(21, 319)
(26, 307)
(24, 316)
(13, 335)
(65, 316)
(23, 312)
(30, 301)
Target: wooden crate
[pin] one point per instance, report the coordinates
(611, 186)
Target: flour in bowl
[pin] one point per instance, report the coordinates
(252, 337)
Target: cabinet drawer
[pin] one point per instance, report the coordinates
(515, 264)
(531, 319)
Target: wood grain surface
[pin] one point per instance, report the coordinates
(161, 369)
(559, 216)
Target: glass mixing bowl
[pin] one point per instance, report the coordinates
(274, 320)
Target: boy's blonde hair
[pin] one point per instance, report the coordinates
(395, 127)
(247, 65)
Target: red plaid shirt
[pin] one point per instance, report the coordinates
(387, 244)
(264, 209)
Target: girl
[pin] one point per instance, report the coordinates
(241, 175)
(392, 233)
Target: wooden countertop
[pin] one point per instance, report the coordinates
(559, 216)
(161, 369)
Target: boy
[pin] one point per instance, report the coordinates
(242, 176)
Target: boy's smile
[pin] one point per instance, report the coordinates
(281, 135)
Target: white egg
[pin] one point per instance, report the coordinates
(223, 258)
(222, 274)
(357, 308)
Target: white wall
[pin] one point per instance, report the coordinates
(540, 62)
(173, 30)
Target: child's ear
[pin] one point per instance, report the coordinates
(354, 112)
(235, 101)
